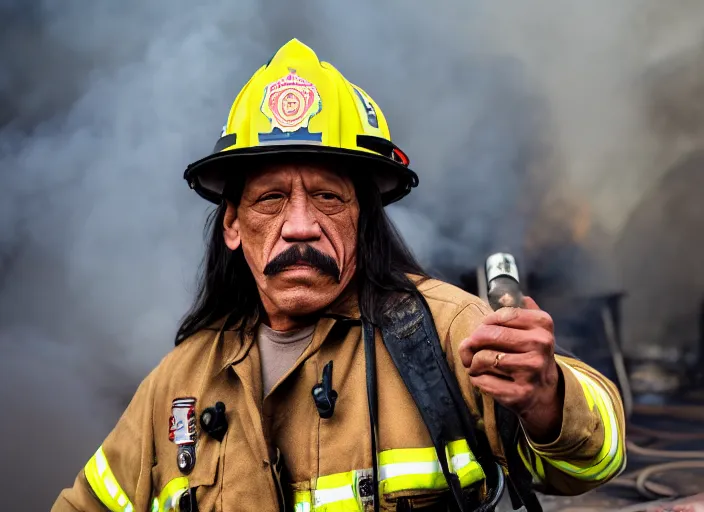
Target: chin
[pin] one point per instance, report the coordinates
(303, 295)
(304, 301)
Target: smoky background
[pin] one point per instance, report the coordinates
(565, 132)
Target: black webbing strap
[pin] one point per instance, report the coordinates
(410, 338)
(370, 363)
(520, 481)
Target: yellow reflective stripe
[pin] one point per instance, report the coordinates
(104, 484)
(336, 480)
(419, 468)
(611, 456)
(403, 469)
(463, 463)
(301, 500)
(457, 448)
(537, 472)
(605, 407)
(336, 493)
(539, 468)
(411, 475)
(407, 455)
(170, 494)
(610, 459)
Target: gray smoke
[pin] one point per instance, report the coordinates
(518, 118)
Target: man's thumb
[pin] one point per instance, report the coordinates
(529, 303)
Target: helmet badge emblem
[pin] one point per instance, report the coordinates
(289, 103)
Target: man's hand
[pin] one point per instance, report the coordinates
(511, 357)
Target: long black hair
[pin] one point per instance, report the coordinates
(226, 285)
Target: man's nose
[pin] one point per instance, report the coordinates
(300, 224)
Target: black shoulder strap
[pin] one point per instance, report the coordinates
(412, 341)
(410, 338)
(520, 481)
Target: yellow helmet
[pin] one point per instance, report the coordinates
(298, 105)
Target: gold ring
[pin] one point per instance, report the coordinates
(498, 359)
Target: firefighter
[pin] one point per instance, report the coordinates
(320, 367)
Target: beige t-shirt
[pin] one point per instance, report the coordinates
(279, 351)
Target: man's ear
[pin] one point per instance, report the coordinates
(231, 227)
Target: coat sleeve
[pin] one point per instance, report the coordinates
(590, 449)
(118, 475)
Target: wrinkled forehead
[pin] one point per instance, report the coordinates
(311, 174)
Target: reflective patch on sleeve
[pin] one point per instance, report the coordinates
(611, 458)
(104, 484)
(534, 464)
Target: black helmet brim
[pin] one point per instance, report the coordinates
(209, 176)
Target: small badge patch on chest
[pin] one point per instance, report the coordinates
(182, 431)
(182, 424)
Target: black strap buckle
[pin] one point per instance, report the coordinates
(187, 501)
(323, 394)
(497, 492)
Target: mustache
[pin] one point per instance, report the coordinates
(307, 254)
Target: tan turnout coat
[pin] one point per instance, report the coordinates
(238, 474)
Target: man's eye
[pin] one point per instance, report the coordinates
(328, 196)
(272, 196)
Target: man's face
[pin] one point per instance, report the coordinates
(297, 226)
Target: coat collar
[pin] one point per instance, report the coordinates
(232, 343)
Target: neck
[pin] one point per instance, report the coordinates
(285, 323)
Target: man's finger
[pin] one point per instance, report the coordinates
(465, 353)
(506, 392)
(517, 318)
(506, 339)
(505, 364)
(488, 361)
(529, 303)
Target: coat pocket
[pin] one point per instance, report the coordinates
(169, 483)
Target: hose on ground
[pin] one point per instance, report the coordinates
(664, 434)
(646, 473)
(663, 454)
(639, 479)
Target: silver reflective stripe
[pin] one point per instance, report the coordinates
(408, 468)
(303, 506)
(461, 460)
(325, 496)
(457, 462)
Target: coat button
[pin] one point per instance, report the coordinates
(186, 458)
